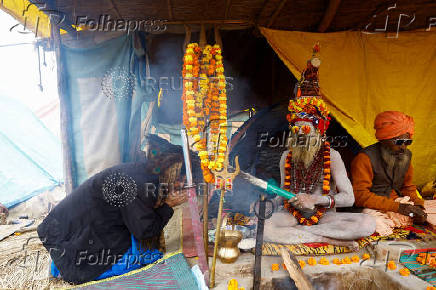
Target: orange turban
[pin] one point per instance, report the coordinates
(390, 124)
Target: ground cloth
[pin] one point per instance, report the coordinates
(310, 249)
(170, 272)
(425, 272)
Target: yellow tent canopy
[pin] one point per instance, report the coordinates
(364, 74)
(28, 15)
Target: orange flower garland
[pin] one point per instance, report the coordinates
(205, 105)
(326, 188)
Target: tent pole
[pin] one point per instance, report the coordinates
(65, 116)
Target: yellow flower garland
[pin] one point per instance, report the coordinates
(205, 103)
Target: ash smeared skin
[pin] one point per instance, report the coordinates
(334, 228)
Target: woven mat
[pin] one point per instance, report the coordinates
(170, 272)
(317, 249)
(425, 272)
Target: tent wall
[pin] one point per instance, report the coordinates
(104, 96)
(364, 74)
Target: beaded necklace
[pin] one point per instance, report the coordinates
(304, 180)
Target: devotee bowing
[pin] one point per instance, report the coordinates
(111, 223)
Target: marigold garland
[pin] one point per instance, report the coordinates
(314, 219)
(205, 105)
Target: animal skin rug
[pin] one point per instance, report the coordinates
(386, 222)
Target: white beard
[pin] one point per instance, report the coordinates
(306, 154)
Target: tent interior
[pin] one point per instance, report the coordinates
(364, 47)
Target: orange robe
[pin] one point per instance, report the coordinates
(361, 171)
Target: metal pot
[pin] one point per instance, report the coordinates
(228, 251)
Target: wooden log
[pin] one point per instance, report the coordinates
(295, 271)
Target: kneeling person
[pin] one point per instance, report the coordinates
(97, 230)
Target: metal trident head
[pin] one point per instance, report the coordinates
(225, 173)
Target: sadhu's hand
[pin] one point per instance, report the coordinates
(304, 201)
(176, 198)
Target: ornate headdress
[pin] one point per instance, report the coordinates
(308, 105)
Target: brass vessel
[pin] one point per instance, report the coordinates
(228, 246)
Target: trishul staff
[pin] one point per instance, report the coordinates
(225, 176)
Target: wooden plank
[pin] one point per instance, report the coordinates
(294, 270)
(329, 15)
(66, 119)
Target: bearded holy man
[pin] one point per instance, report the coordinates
(382, 175)
(316, 174)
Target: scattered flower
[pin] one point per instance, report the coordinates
(324, 261)
(311, 261)
(404, 272)
(392, 265)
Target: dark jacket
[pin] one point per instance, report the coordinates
(383, 182)
(90, 229)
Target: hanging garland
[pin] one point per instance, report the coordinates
(205, 105)
(297, 181)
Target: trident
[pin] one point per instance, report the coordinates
(225, 175)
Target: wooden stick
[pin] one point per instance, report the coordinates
(257, 17)
(294, 270)
(276, 13)
(170, 10)
(217, 237)
(65, 115)
(329, 15)
(227, 11)
(205, 222)
(203, 41)
(115, 8)
(187, 37)
(217, 21)
(218, 39)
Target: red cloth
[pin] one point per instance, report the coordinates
(390, 124)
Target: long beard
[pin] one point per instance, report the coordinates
(305, 154)
(393, 160)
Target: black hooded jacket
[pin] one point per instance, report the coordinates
(90, 229)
